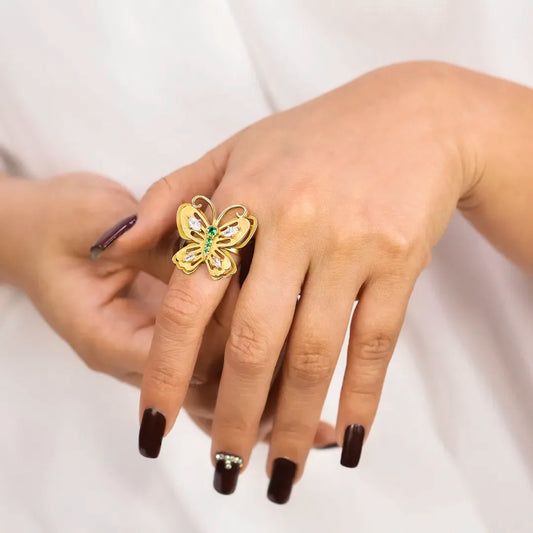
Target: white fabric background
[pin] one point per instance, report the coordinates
(133, 90)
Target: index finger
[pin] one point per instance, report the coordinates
(185, 312)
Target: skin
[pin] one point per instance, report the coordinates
(352, 191)
(104, 309)
(390, 155)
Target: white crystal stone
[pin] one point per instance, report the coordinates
(189, 256)
(230, 231)
(194, 223)
(216, 262)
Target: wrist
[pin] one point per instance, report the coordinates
(458, 114)
(18, 224)
(498, 204)
(501, 133)
(443, 98)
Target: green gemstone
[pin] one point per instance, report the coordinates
(212, 231)
(209, 240)
(207, 246)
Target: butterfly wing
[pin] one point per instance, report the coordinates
(236, 233)
(189, 258)
(192, 224)
(220, 264)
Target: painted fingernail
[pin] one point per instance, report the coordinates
(328, 446)
(283, 474)
(111, 235)
(151, 433)
(226, 472)
(352, 446)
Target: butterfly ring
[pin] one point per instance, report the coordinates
(212, 243)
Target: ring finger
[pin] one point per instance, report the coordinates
(315, 343)
(260, 325)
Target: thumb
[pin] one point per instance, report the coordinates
(156, 215)
(147, 239)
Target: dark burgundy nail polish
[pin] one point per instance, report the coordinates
(352, 446)
(283, 474)
(328, 446)
(151, 433)
(111, 235)
(227, 471)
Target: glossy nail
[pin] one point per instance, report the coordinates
(111, 235)
(151, 433)
(283, 474)
(227, 471)
(352, 446)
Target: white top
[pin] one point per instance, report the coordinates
(135, 89)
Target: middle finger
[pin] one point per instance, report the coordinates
(260, 325)
(314, 346)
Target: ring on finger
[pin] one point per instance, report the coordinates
(212, 243)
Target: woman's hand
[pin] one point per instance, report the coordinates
(351, 190)
(104, 309)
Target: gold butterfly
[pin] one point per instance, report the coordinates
(212, 242)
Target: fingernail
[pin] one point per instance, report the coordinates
(352, 446)
(280, 486)
(227, 471)
(151, 433)
(111, 235)
(327, 446)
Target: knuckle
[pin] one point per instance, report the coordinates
(363, 391)
(85, 345)
(405, 249)
(213, 160)
(365, 383)
(389, 238)
(180, 307)
(160, 187)
(163, 376)
(97, 360)
(375, 347)
(396, 244)
(92, 362)
(247, 349)
(294, 430)
(342, 244)
(300, 214)
(310, 365)
(235, 424)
